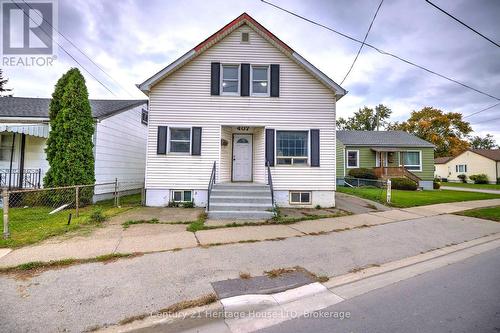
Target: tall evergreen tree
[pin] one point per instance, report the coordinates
(3, 90)
(69, 146)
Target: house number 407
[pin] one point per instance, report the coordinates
(243, 128)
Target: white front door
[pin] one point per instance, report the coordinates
(242, 158)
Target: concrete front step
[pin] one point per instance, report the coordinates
(242, 186)
(240, 193)
(241, 206)
(239, 215)
(240, 199)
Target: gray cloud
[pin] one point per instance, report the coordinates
(132, 39)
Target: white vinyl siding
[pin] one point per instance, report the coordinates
(184, 98)
(120, 147)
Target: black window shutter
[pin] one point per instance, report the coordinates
(196, 141)
(315, 147)
(161, 143)
(270, 146)
(465, 167)
(245, 80)
(275, 80)
(215, 79)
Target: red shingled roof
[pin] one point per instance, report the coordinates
(243, 18)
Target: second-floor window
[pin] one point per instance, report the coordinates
(230, 79)
(260, 80)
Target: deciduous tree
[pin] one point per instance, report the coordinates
(447, 131)
(366, 119)
(487, 142)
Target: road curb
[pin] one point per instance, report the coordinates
(465, 249)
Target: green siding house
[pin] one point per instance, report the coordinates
(390, 153)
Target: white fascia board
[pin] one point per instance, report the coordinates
(146, 85)
(339, 91)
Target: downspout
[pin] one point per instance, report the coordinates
(11, 158)
(21, 160)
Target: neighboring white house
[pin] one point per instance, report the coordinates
(119, 140)
(241, 99)
(470, 162)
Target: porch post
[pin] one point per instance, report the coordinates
(21, 159)
(11, 158)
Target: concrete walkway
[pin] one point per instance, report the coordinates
(357, 205)
(163, 237)
(469, 189)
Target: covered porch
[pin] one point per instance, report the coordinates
(22, 154)
(242, 154)
(396, 162)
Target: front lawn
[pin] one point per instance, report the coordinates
(490, 213)
(405, 199)
(34, 224)
(478, 186)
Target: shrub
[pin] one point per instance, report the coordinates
(363, 173)
(498, 181)
(479, 179)
(97, 216)
(436, 185)
(403, 184)
(463, 178)
(188, 204)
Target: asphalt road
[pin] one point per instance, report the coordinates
(463, 297)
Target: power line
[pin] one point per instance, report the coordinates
(62, 48)
(382, 51)
(462, 23)
(363, 44)
(485, 109)
(485, 121)
(76, 47)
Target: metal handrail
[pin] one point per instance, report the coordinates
(270, 182)
(211, 184)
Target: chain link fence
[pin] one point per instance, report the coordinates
(42, 207)
(374, 189)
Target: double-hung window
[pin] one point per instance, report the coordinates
(260, 80)
(292, 147)
(412, 160)
(180, 140)
(230, 79)
(353, 158)
(461, 168)
(6, 146)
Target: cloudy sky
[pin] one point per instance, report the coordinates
(133, 39)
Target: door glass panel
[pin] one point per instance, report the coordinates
(242, 140)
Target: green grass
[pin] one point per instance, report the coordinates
(478, 186)
(199, 224)
(34, 224)
(416, 198)
(490, 213)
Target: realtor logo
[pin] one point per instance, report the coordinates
(28, 28)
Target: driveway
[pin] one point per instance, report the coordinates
(469, 189)
(357, 205)
(83, 296)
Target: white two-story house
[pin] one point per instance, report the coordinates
(238, 106)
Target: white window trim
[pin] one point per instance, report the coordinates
(169, 134)
(347, 158)
(300, 196)
(457, 168)
(307, 164)
(268, 93)
(237, 93)
(401, 162)
(173, 195)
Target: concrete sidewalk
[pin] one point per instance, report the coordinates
(469, 189)
(164, 237)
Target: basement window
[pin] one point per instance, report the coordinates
(182, 196)
(300, 197)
